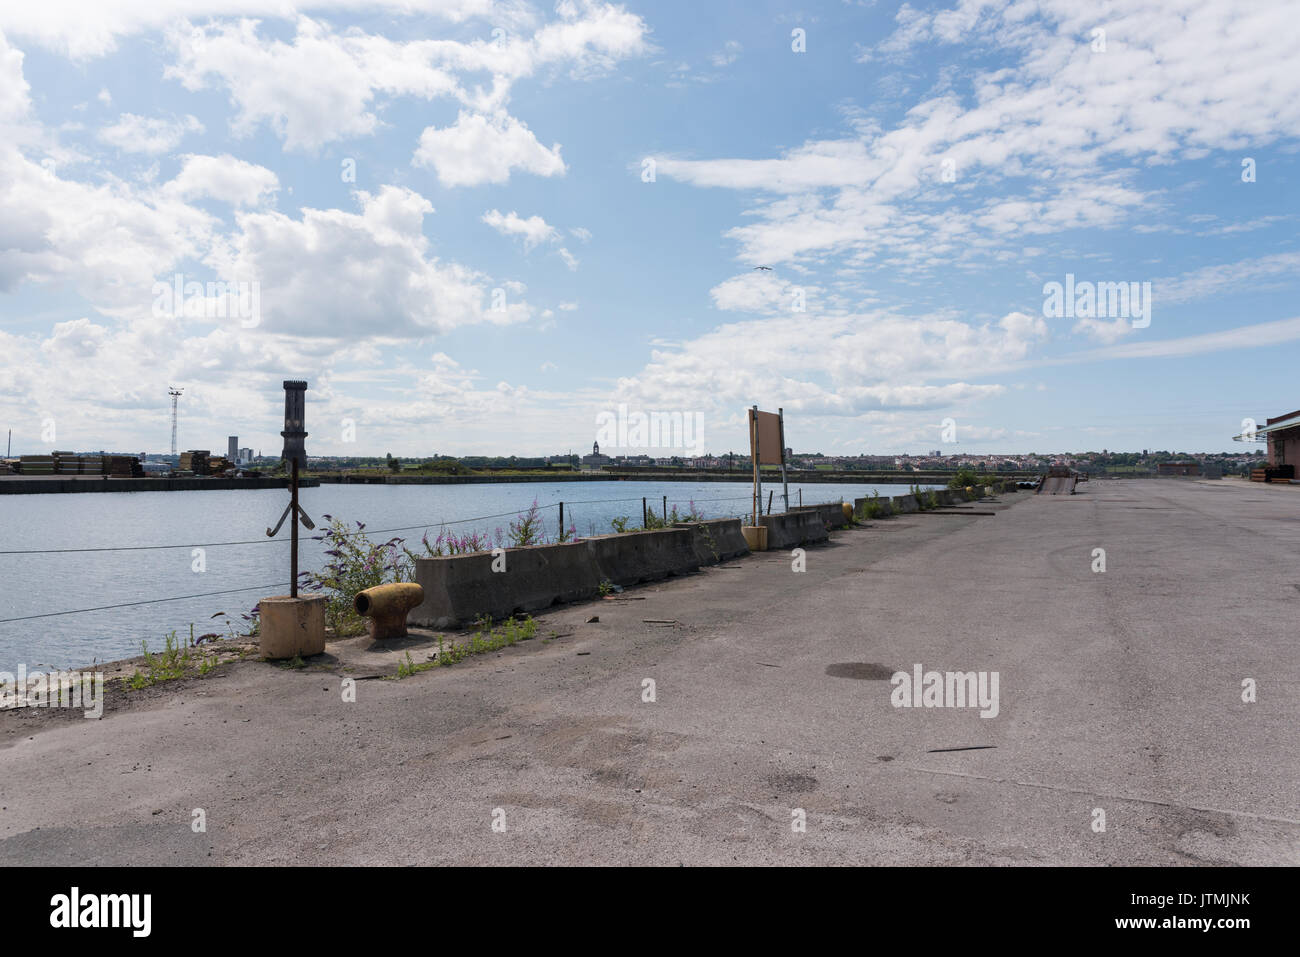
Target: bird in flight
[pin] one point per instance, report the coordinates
(768, 268)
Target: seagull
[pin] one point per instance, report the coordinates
(768, 268)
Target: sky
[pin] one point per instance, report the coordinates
(476, 227)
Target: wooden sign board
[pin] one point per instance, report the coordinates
(769, 437)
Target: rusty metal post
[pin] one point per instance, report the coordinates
(293, 521)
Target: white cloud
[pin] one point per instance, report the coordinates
(324, 86)
(533, 230)
(224, 178)
(1210, 281)
(728, 55)
(85, 28)
(149, 134)
(836, 365)
(1242, 337)
(362, 275)
(109, 240)
(14, 90)
(761, 291)
(478, 149)
(1050, 143)
(1104, 330)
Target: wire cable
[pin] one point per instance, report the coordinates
(132, 604)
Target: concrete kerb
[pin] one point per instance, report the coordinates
(906, 504)
(716, 540)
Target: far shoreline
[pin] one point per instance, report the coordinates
(21, 485)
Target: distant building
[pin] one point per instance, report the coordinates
(1282, 433)
(595, 460)
(232, 448)
(1179, 468)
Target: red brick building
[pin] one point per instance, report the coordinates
(1282, 433)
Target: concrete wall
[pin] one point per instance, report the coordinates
(860, 505)
(790, 529)
(832, 513)
(906, 503)
(716, 540)
(635, 557)
(459, 588)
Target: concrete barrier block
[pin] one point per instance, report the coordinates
(635, 557)
(292, 627)
(755, 537)
(860, 506)
(906, 504)
(790, 529)
(460, 588)
(831, 513)
(716, 540)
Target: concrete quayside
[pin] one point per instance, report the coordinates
(1120, 690)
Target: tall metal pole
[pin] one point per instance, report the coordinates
(753, 446)
(175, 394)
(293, 520)
(785, 488)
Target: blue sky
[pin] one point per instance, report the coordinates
(913, 176)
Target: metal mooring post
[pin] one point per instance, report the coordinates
(293, 532)
(294, 437)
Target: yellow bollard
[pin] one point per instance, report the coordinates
(386, 608)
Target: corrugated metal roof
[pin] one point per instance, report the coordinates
(1291, 423)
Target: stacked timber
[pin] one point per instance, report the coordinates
(36, 464)
(195, 461)
(121, 466)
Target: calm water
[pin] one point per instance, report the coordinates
(43, 583)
